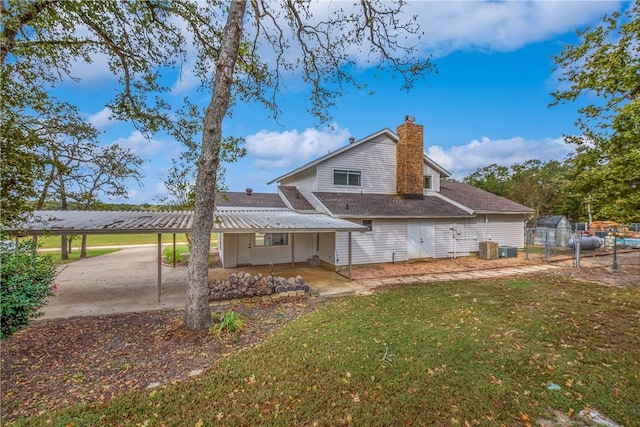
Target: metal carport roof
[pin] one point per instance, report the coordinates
(143, 222)
(138, 222)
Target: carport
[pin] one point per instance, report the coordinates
(136, 222)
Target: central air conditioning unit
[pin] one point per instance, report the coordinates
(488, 250)
(508, 252)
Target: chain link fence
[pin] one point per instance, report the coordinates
(615, 247)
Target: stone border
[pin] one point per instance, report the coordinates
(264, 298)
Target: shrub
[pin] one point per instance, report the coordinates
(168, 253)
(26, 283)
(230, 322)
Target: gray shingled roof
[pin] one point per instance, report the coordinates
(480, 200)
(388, 205)
(255, 200)
(295, 198)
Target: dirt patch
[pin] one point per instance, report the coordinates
(113, 354)
(596, 266)
(445, 265)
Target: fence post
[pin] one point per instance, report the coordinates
(615, 250)
(546, 245)
(577, 247)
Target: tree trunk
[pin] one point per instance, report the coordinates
(197, 314)
(83, 247)
(64, 246)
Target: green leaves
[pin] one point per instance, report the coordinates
(26, 283)
(536, 184)
(606, 167)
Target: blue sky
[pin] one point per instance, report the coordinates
(488, 103)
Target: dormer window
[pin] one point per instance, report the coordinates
(347, 177)
(428, 185)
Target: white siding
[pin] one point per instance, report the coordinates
(507, 230)
(376, 159)
(228, 252)
(452, 239)
(303, 249)
(327, 247)
(389, 237)
(305, 181)
(221, 247)
(435, 179)
(462, 236)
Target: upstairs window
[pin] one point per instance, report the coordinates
(368, 223)
(272, 239)
(428, 182)
(346, 177)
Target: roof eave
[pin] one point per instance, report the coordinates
(369, 216)
(335, 153)
(487, 212)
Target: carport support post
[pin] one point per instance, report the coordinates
(159, 265)
(349, 256)
(293, 244)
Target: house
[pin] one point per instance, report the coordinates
(384, 183)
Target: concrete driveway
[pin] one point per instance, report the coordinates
(127, 281)
(120, 282)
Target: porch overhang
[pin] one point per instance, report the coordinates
(55, 223)
(283, 221)
(137, 222)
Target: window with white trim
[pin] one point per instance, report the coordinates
(272, 239)
(347, 177)
(369, 224)
(428, 182)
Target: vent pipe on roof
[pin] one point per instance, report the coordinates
(249, 191)
(351, 140)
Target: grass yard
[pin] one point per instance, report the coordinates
(56, 257)
(469, 353)
(47, 242)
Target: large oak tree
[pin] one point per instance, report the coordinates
(244, 52)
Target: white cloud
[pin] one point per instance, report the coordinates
(461, 160)
(448, 26)
(101, 119)
(500, 26)
(273, 150)
(146, 147)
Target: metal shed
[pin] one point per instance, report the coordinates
(553, 230)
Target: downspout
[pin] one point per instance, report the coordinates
(350, 255)
(293, 246)
(159, 266)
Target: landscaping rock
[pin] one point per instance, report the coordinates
(244, 285)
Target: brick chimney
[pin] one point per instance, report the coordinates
(409, 159)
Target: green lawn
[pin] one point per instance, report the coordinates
(468, 353)
(111, 240)
(46, 242)
(56, 257)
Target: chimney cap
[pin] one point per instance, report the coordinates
(409, 118)
(249, 191)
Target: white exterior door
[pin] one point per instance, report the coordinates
(419, 239)
(243, 249)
